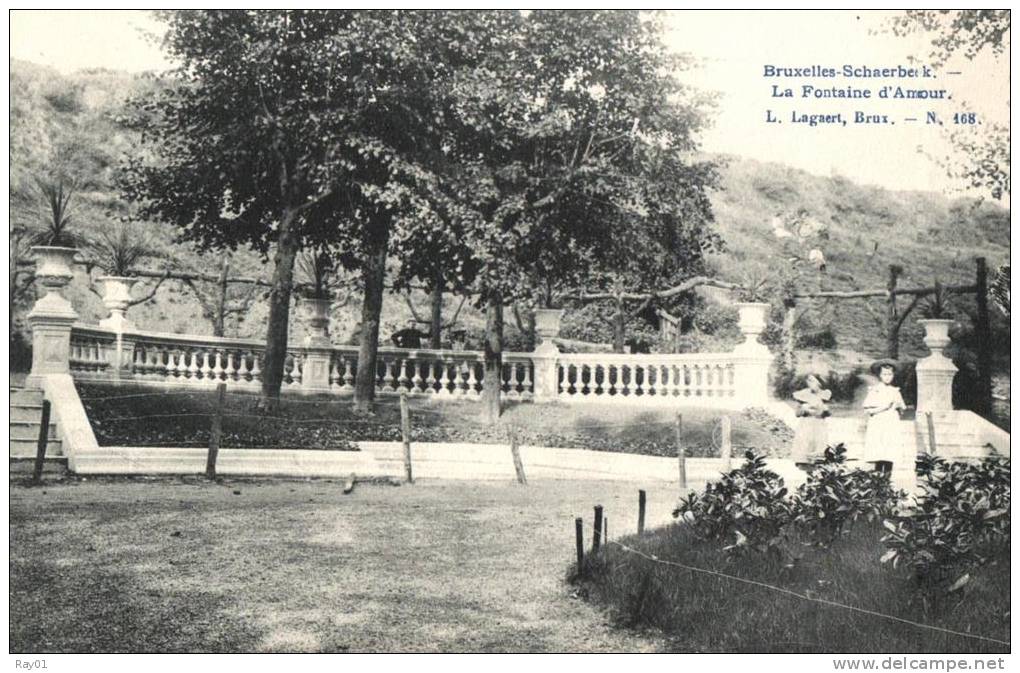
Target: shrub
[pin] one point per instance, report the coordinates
(747, 505)
(821, 339)
(843, 386)
(963, 512)
(21, 352)
(67, 99)
(836, 495)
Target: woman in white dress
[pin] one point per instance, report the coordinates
(883, 440)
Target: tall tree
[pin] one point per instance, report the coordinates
(557, 122)
(263, 124)
(982, 150)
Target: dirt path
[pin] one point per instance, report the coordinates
(297, 566)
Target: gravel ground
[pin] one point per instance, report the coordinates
(178, 565)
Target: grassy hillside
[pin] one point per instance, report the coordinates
(862, 229)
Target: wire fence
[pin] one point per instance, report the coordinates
(780, 590)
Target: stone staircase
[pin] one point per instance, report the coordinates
(26, 415)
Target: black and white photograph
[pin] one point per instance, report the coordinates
(510, 331)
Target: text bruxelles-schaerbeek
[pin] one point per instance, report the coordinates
(849, 92)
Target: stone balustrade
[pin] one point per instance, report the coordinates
(117, 351)
(204, 361)
(701, 379)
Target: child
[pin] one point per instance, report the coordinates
(812, 435)
(882, 439)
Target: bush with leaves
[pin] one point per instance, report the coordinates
(961, 515)
(836, 495)
(747, 505)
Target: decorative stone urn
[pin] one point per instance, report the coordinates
(936, 333)
(53, 269)
(936, 372)
(116, 298)
(547, 326)
(752, 322)
(316, 310)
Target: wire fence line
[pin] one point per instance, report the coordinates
(787, 592)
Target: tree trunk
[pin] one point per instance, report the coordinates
(374, 274)
(892, 342)
(436, 326)
(493, 380)
(619, 327)
(279, 312)
(219, 320)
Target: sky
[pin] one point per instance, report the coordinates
(731, 48)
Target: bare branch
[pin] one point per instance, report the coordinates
(155, 288)
(453, 321)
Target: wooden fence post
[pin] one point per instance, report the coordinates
(216, 431)
(579, 534)
(726, 450)
(515, 451)
(405, 434)
(932, 449)
(44, 438)
(596, 538)
(641, 512)
(680, 456)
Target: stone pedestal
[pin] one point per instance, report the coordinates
(315, 371)
(752, 358)
(52, 315)
(547, 327)
(935, 373)
(546, 372)
(123, 357)
(116, 298)
(751, 376)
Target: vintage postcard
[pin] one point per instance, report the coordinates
(510, 331)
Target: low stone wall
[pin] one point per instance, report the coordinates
(429, 461)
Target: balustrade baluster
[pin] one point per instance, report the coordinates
(192, 364)
(230, 371)
(448, 378)
(256, 367)
(405, 374)
(417, 380)
(515, 379)
(430, 377)
(473, 380)
(526, 385)
(349, 364)
(205, 370)
(392, 368)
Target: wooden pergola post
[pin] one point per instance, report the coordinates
(892, 336)
(983, 336)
